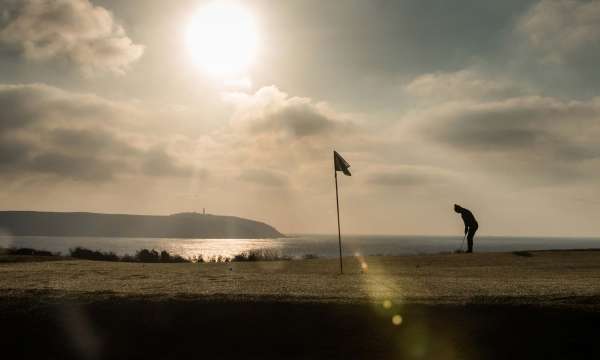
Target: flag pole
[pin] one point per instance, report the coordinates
(337, 202)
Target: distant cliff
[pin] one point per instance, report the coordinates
(185, 225)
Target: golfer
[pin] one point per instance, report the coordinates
(471, 225)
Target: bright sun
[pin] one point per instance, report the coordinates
(223, 38)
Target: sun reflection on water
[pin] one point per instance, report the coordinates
(209, 248)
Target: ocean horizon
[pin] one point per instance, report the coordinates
(299, 245)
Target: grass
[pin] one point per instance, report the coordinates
(522, 253)
(558, 278)
(482, 306)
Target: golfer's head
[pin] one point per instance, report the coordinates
(457, 208)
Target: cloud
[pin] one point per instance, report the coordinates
(279, 131)
(264, 177)
(509, 123)
(525, 137)
(549, 126)
(271, 111)
(409, 176)
(463, 84)
(564, 31)
(73, 30)
(87, 168)
(46, 130)
(84, 137)
(157, 162)
(91, 141)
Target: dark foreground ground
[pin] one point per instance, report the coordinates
(179, 329)
(538, 305)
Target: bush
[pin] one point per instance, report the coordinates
(83, 253)
(216, 259)
(168, 258)
(165, 256)
(27, 251)
(152, 256)
(260, 255)
(144, 255)
(147, 256)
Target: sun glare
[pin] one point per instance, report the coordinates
(223, 38)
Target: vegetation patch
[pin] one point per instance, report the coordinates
(260, 255)
(143, 256)
(30, 252)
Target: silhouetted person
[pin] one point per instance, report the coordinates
(471, 224)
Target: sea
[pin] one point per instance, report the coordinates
(298, 246)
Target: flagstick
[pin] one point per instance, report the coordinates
(337, 202)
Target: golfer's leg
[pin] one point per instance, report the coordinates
(470, 236)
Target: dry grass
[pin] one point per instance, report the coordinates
(564, 277)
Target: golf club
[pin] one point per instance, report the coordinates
(462, 244)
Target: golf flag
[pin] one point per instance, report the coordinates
(340, 164)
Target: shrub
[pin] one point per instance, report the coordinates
(148, 256)
(168, 258)
(165, 256)
(27, 251)
(144, 255)
(260, 255)
(83, 253)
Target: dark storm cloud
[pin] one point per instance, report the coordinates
(71, 30)
(49, 131)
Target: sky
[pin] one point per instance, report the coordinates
(118, 107)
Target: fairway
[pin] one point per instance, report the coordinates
(557, 278)
(538, 305)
